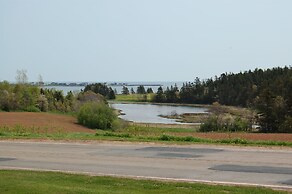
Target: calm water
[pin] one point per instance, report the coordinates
(66, 89)
(149, 113)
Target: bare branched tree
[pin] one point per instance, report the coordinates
(21, 76)
(40, 80)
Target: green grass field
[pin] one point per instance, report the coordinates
(18, 182)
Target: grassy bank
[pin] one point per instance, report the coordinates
(135, 97)
(12, 181)
(133, 134)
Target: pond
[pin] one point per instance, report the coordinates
(149, 113)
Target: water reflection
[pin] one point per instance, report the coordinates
(149, 113)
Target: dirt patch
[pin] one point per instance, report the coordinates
(44, 121)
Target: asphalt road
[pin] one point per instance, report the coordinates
(202, 163)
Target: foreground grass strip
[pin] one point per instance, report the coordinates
(190, 139)
(19, 181)
(134, 134)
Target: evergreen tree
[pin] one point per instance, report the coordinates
(159, 97)
(149, 90)
(141, 90)
(102, 89)
(125, 90)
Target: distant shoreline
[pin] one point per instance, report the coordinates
(85, 84)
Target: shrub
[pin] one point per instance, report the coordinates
(42, 103)
(211, 124)
(96, 115)
(286, 126)
(32, 109)
(165, 137)
(240, 125)
(224, 123)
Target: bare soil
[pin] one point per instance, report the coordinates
(45, 121)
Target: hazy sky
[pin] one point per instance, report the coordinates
(142, 40)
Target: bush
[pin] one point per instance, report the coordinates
(211, 124)
(165, 137)
(286, 126)
(96, 116)
(224, 123)
(42, 103)
(32, 109)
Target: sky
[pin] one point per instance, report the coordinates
(142, 40)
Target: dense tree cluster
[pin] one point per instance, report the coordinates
(25, 97)
(102, 89)
(269, 91)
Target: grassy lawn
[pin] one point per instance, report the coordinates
(18, 181)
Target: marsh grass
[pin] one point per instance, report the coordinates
(135, 97)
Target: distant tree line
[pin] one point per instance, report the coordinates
(140, 90)
(25, 97)
(268, 91)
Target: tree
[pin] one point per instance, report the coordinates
(21, 76)
(40, 80)
(141, 90)
(102, 89)
(172, 94)
(149, 90)
(187, 93)
(159, 97)
(111, 94)
(271, 111)
(125, 90)
(42, 103)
